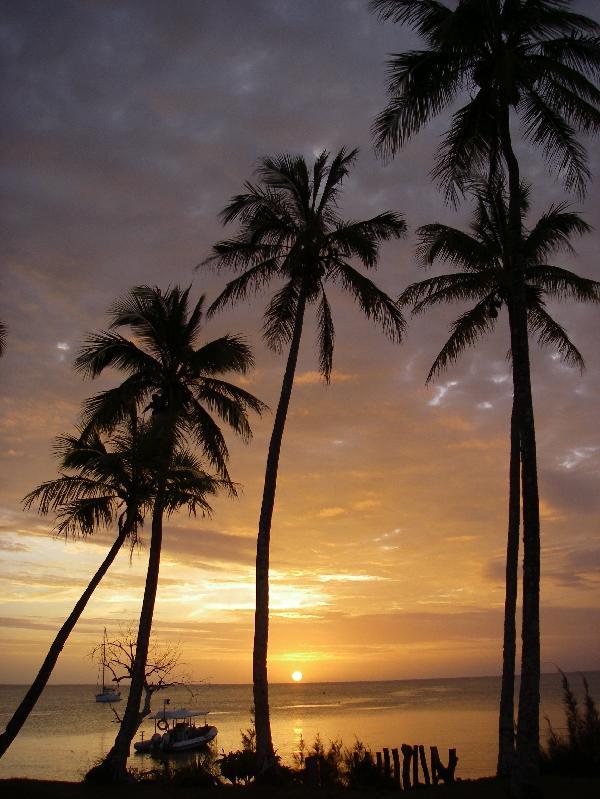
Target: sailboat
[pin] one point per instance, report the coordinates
(107, 694)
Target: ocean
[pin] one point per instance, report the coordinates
(68, 731)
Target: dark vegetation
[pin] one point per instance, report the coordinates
(576, 754)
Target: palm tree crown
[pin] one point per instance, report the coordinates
(168, 373)
(291, 229)
(481, 258)
(103, 481)
(527, 55)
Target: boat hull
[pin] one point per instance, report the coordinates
(197, 742)
(108, 697)
(165, 744)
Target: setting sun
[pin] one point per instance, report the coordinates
(296, 676)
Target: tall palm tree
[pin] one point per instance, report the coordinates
(2, 338)
(290, 229)
(178, 382)
(523, 57)
(482, 259)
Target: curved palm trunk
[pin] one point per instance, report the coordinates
(114, 766)
(506, 736)
(525, 774)
(33, 694)
(265, 756)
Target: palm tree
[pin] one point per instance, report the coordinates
(2, 338)
(177, 381)
(291, 230)
(527, 57)
(105, 487)
(483, 261)
(111, 482)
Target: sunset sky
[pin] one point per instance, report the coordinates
(126, 126)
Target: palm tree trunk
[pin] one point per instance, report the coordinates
(33, 694)
(506, 737)
(525, 775)
(265, 755)
(114, 766)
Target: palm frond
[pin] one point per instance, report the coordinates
(552, 232)
(420, 84)
(561, 284)
(251, 281)
(445, 243)
(104, 349)
(361, 239)
(550, 18)
(449, 288)
(225, 354)
(426, 16)
(470, 147)
(337, 171)
(64, 490)
(326, 336)
(564, 154)
(244, 398)
(85, 516)
(465, 332)
(280, 315)
(107, 409)
(288, 173)
(209, 437)
(373, 302)
(551, 334)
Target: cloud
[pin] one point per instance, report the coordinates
(312, 377)
(441, 392)
(331, 513)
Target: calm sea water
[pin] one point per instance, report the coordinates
(68, 731)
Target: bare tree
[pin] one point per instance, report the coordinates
(163, 667)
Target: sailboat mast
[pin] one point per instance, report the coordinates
(103, 659)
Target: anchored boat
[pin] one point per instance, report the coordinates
(107, 694)
(175, 731)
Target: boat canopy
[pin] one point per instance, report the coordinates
(179, 713)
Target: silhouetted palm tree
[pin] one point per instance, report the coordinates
(528, 57)
(2, 338)
(178, 382)
(482, 259)
(104, 488)
(111, 482)
(291, 230)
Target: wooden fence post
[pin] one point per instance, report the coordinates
(407, 752)
(387, 771)
(439, 771)
(424, 764)
(415, 766)
(396, 759)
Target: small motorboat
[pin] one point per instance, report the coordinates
(107, 694)
(175, 731)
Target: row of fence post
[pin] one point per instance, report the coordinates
(401, 768)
